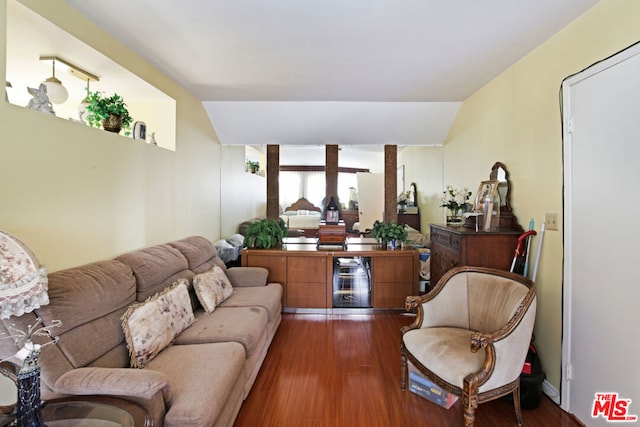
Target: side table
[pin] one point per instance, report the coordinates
(94, 411)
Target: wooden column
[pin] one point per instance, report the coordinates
(390, 183)
(273, 187)
(331, 173)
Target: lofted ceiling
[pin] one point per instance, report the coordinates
(334, 71)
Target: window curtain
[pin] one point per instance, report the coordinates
(294, 185)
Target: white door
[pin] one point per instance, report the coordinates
(601, 289)
(370, 199)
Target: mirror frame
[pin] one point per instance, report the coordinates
(506, 206)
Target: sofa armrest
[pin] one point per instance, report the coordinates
(125, 382)
(247, 276)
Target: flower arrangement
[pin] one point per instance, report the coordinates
(404, 197)
(454, 199)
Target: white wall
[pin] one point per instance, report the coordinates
(243, 195)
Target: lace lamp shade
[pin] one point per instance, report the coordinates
(23, 281)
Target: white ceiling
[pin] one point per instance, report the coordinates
(332, 71)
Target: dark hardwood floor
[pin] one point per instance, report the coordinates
(344, 370)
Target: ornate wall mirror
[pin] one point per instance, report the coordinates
(508, 220)
(499, 172)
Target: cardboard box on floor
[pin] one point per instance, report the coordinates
(423, 387)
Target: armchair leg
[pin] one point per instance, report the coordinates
(516, 404)
(470, 400)
(403, 366)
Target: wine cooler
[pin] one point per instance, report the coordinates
(352, 282)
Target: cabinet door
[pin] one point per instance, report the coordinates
(393, 280)
(307, 282)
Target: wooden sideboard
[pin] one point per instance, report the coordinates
(306, 272)
(452, 246)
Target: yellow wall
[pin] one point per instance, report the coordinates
(423, 165)
(516, 119)
(76, 194)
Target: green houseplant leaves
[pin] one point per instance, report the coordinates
(101, 107)
(265, 234)
(387, 232)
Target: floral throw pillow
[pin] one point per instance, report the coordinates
(212, 288)
(151, 326)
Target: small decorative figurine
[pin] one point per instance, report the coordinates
(152, 140)
(40, 100)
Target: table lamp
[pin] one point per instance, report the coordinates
(23, 288)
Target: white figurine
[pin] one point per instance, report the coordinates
(152, 140)
(40, 100)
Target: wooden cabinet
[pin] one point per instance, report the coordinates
(306, 274)
(455, 246)
(411, 219)
(306, 281)
(393, 280)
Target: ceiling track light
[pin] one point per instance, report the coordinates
(57, 93)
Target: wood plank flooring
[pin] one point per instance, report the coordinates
(344, 370)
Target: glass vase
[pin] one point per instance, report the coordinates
(454, 216)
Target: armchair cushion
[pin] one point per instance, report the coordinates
(446, 350)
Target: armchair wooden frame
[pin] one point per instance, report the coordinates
(469, 391)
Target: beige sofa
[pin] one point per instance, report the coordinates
(200, 380)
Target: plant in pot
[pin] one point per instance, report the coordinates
(265, 233)
(389, 234)
(110, 112)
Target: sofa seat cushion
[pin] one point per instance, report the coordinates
(202, 378)
(269, 297)
(245, 325)
(447, 351)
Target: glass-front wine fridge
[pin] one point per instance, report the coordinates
(352, 282)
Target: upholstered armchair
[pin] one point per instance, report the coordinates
(471, 335)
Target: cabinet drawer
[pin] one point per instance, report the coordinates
(446, 239)
(307, 269)
(307, 295)
(393, 269)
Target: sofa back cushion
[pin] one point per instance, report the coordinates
(89, 301)
(199, 252)
(156, 268)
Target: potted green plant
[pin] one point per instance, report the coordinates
(265, 233)
(110, 112)
(252, 166)
(389, 234)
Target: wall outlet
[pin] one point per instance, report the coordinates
(551, 220)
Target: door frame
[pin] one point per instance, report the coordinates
(567, 287)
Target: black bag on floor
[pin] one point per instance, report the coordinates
(531, 380)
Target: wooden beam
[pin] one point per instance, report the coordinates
(390, 183)
(273, 187)
(331, 173)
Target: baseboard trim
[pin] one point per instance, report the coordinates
(551, 392)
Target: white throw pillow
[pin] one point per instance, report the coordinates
(212, 288)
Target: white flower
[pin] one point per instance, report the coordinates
(454, 199)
